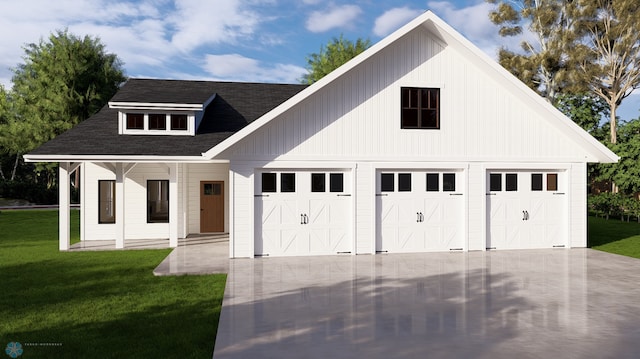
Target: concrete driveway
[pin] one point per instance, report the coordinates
(564, 303)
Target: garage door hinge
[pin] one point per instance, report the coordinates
(261, 255)
(381, 194)
(558, 246)
(344, 195)
(344, 252)
(491, 194)
(489, 248)
(455, 194)
(558, 193)
(382, 251)
(261, 195)
(455, 249)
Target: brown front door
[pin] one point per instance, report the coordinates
(211, 206)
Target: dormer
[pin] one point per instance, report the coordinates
(168, 119)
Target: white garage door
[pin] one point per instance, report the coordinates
(302, 213)
(419, 211)
(526, 209)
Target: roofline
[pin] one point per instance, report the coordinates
(118, 158)
(158, 106)
(604, 154)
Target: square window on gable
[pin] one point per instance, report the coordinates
(420, 108)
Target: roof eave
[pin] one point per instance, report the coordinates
(119, 158)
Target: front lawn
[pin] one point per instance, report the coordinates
(614, 236)
(98, 304)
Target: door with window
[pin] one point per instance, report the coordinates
(526, 209)
(211, 206)
(302, 213)
(419, 211)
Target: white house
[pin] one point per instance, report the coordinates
(421, 143)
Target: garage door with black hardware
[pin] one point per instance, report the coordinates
(419, 211)
(302, 213)
(526, 209)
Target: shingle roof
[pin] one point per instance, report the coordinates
(236, 104)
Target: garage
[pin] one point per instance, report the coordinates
(419, 211)
(526, 209)
(303, 212)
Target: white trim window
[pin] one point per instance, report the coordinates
(156, 123)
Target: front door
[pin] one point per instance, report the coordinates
(211, 206)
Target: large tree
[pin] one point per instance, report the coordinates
(626, 172)
(337, 52)
(545, 64)
(62, 81)
(611, 59)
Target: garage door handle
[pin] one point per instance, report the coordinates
(527, 213)
(524, 215)
(418, 217)
(301, 218)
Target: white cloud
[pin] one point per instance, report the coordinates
(393, 19)
(235, 67)
(335, 17)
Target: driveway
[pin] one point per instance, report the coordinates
(563, 303)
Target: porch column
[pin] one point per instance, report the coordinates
(120, 217)
(64, 207)
(173, 205)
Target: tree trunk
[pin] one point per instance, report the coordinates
(15, 167)
(2, 173)
(613, 123)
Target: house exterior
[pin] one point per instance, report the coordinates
(421, 143)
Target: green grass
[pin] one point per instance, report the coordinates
(614, 236)
(98, 304)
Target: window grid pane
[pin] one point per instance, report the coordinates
(495, 182)
(512, 182)
(336, 182)
(318, 182)
(287, 182)
(552, 181)
(420, 108)
(268, 182)
(179, 122)
(404, 182)
(433, 182)
(536, 181)
(387, 182)
(449, 182)
(157, 121)
(135, 121)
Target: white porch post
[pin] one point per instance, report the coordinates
(64, 207)
(120, 217)
(173, 205)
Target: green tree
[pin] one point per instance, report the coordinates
(337, 52)
(625, 173)
(611, 58)
(546, 64)
(62, 81)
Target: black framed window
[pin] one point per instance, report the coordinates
(287, 182)
(135, 121)
(536, 181)
(449, 182)
(387, 182)
(420, 108)
(404, 182)
(157, 201)
(318, 182)
(495, 182)
(268, 182)
(433, 182)
(179, 122)
(336, 182)
(157, 121)
(511, 182)
(106, 201)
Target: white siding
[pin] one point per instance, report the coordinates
(241, 236)
(357, 117)
(476, 207)
(578, 205)
(365, 208)
(92, 229)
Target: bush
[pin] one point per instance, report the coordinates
(34, 193)
(614, 205)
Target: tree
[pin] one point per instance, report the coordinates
(62, 81)
(611, 60)
(337, 52)
(547, 65)
(626, 172)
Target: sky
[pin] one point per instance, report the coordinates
(232, 40)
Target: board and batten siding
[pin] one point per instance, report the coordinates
(357, 116)
(204, 172)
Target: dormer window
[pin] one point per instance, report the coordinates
(178, 122)
(135, 121)
(157, 121)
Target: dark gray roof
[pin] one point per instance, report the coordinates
(236, 104)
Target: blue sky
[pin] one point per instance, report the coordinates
(234, 40)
